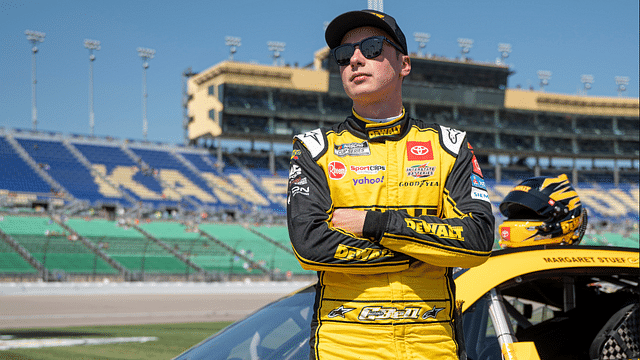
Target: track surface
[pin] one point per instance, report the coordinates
(84, 304)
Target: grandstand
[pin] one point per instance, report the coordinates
(74, 206)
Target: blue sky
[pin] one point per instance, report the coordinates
(568, 38)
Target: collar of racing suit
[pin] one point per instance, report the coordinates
(378, 132)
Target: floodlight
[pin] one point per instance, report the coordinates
(622, 82)
(544, 76)
(587, 80)
(465, 46)
(505, 50)
(34, 37)
(422, 39)
(376, 5)
(277, 48)
(146, 55)
(233, 43)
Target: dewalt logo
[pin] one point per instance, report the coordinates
(345, 252)
(444, 231)
(385, 132)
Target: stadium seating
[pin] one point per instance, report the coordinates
(17, 175)
(254, 247)
(122, 171)
(128, 246)
(190, 243)
(12, 263)
(53, 246)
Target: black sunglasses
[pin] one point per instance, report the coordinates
(370, 47)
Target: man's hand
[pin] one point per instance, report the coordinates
(349, 220)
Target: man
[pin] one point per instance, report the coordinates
(383, 206)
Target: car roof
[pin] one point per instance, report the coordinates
(507, 264)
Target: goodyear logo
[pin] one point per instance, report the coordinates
(444, 231)
(385, 132)
(344, 252)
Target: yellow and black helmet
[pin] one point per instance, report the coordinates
(542, 211)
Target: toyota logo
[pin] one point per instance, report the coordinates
(419, 150)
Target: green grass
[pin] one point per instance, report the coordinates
(173, 339)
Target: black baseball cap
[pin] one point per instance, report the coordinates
(348, 21)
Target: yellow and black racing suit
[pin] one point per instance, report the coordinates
(390, 293)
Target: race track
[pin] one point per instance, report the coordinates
(28, 305)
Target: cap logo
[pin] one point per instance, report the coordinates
(379, 15)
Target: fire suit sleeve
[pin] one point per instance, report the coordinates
(461, 235)
(316, 243)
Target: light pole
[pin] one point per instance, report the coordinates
(34, 37)
(233, 43)
(146, 55)
(544, 76)
(422, 39)
(465, 46)
(277, 48)
(505, 50)
(587, 80)
(91, 45)
(622, 82)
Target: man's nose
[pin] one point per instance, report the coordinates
(357, 58)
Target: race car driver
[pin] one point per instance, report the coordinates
(383, 206)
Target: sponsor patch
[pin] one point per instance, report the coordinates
(431, 314)
(295, 190)
(294, 172)
(478, 182)
(479, 194)
(452, 139)
(384, 132)
(421, 171)
(522, 188)
(419, 150)
(373, 313)
(505, 234)
(337, 170)
(352, 149)
(344, 252)
(418, 183)
(444, 231)
(299, 181)
(295, 154)
(313, 140)
(339, 312)
(368, 181)
(476, 166)
(367, 169)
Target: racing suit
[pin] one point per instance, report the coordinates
(390, 293)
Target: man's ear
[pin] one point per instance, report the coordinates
(406, 66)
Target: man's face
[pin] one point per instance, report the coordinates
(369, 81)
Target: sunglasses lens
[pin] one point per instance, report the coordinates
(343, 53)
(371, 47)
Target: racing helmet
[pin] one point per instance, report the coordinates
(542, 211)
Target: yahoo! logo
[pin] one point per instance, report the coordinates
(368, 181)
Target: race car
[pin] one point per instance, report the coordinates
(543, 296)
(523, 303)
